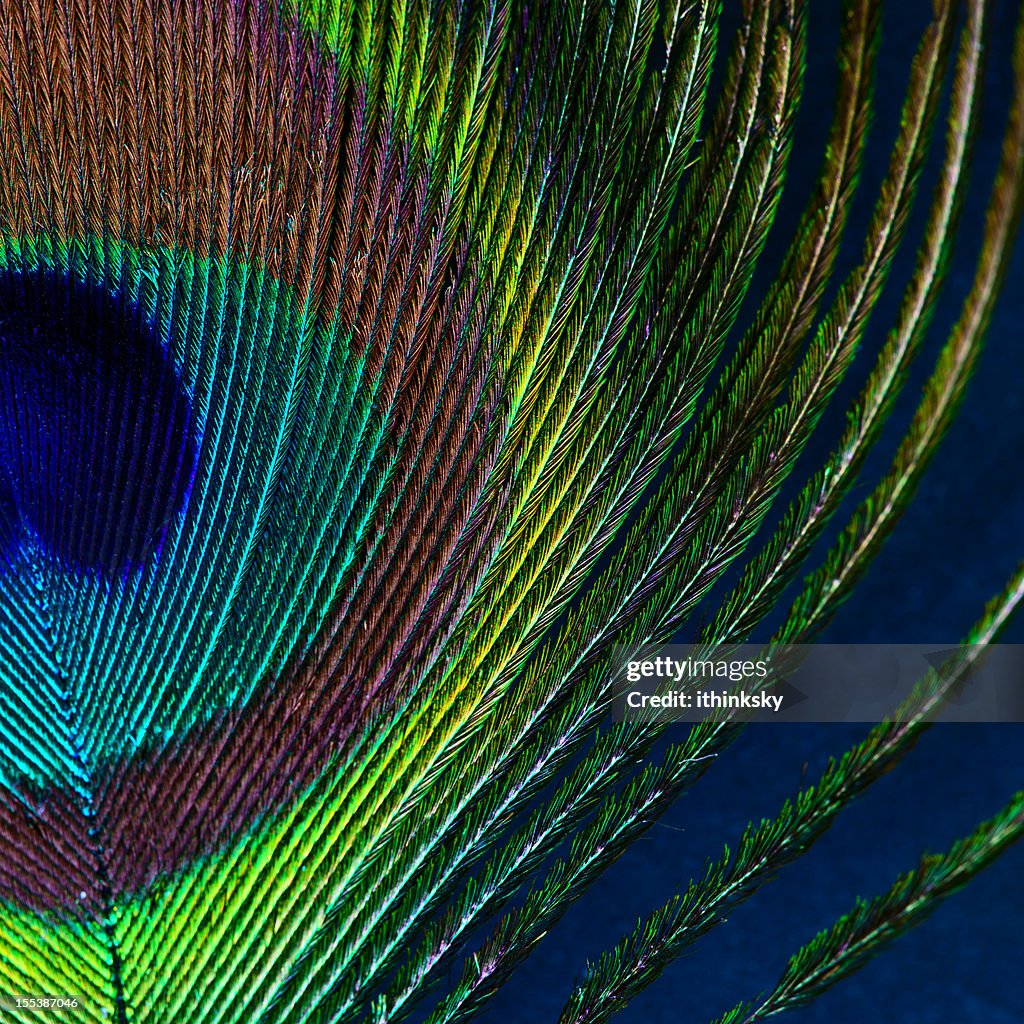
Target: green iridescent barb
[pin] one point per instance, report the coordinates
(368, 371)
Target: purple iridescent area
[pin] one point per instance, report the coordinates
(97, 440)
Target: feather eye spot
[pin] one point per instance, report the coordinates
(97, 440)
(8, 518)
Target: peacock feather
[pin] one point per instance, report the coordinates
(369, 370)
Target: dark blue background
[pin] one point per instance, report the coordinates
(953, 550)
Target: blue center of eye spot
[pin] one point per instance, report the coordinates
(97, 437)
(8, 519)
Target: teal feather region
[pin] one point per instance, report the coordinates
(175, 638)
